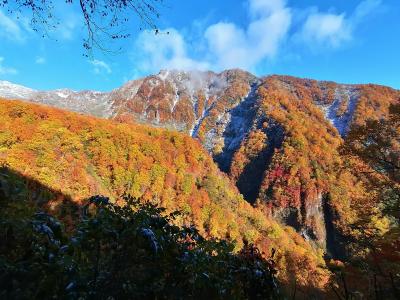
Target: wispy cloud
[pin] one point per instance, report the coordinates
(334, 29)
(68, 26)
(366, 8)
(40, 60)
(100, 66)
(6, 70)
(326, 29)
(9, 29)
(234, 46)
(167, 50)
(20, 29)
(270, 25)
(225, 44)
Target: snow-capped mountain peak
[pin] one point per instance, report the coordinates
(11, 90)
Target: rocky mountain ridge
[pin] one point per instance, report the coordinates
(87, 102)
(161, 99)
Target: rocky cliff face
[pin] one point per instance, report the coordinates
(303, 182)
(183, 100)
(277, 137)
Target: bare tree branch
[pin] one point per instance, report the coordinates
(105, 20)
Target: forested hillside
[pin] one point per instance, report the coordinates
(324, 159)
(310, 168)
(290, 163)
(76, 156)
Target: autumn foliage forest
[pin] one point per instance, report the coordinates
(319, 209)
(80, 156)
(312, 172)
(198, 185)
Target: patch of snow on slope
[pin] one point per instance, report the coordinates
(341, 122)
(89, 102)
(163, 74)
(11, 90)
(175, 98)
(193, 132)
(62, 94)
(240, 121)
(235, 125)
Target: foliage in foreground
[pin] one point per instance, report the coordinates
(126, 251)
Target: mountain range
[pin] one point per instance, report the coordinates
(229, 113)
(190, 100)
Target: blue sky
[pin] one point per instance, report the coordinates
(349, 41)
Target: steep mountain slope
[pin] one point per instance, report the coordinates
(277, 137)
(80, 156)
(194, 102)
(290, 162)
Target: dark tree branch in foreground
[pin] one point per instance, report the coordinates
(104, 20)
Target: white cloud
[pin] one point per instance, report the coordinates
(333, 30)
(9, 29)
(366, 8)
(226, 44)
(261, 8)
(167, 50)
(40, 60)
(233, 46)
(325, 28)
(99, 66)
(68, 26)
(6, 70)
(66, 23)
